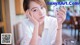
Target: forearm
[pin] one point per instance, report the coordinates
(34, 36)
(59, 36)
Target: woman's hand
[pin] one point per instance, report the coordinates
(61, 16)
(36, 27)
(30, 16)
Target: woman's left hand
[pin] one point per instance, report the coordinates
(61, 16)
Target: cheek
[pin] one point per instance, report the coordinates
(44, 11)
(35, 15)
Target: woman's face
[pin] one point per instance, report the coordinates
(38, 12)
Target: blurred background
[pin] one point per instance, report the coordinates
(11, 12)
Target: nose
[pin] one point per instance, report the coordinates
(41, 12)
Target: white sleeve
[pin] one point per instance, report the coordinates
(24, 34)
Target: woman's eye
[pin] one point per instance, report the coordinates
(34, 10)
(41, 7)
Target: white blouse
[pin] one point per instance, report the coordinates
(48, 35)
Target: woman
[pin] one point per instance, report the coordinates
(38, 28)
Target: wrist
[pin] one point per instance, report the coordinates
(59, 26)
(36, 25)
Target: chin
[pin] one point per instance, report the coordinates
(41, 21)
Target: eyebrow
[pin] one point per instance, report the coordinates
(34, 7)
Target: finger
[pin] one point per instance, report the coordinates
(60, 19)
(61, 14)
(31, 16)
(28, 14)
(64, 7)
(64, 14)
(63, 10)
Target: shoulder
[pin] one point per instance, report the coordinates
(25, 22)
(25, 27)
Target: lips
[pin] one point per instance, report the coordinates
(42, 17)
